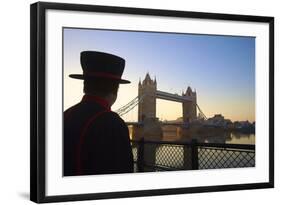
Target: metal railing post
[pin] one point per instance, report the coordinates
(140, 160)
(194, 154)
(229, 155)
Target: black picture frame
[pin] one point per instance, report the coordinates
(38, 100)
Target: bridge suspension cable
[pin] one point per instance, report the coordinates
(135, 101)
(129, 106)
(201, 112)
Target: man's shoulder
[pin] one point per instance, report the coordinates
(82, 110)
(73, 108)
(112, 117)
(109, 122)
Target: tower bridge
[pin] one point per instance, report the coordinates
(146, 102)
(148, 124)
(147, 89)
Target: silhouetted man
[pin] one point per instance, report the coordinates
(96, 140)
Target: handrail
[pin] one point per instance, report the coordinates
(199, 144)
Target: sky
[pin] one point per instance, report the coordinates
(220, 68)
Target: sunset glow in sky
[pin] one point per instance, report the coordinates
(220, 68)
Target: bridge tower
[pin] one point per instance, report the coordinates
(189, 107)
(147, 106)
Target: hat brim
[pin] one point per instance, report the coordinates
(84, 77)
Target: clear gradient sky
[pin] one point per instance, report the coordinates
(220, 68)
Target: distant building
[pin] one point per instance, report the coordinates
(219, 121)
(242, 124)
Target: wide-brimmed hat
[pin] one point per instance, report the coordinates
(101, 65)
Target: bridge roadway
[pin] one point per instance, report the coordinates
(172, 97)
(162, 123)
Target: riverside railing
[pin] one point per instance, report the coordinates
(166, 156)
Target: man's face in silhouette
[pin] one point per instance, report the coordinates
(106, 89)
(111, 98)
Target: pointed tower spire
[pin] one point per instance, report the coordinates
(147, 79)
(147, 76)
(188, 91)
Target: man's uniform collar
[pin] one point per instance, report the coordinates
(93, 98)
